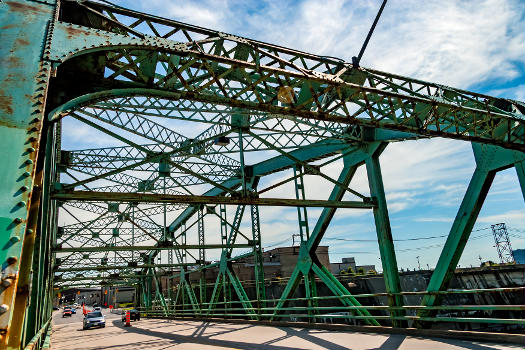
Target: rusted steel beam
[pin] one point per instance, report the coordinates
(172, 198)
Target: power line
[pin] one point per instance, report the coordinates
(484, 235)
(399, 240)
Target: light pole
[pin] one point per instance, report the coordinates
(418, 264)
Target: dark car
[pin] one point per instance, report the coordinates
(94, 319)
(134, 315)
(66, 312)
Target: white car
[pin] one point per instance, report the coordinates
(97, 308)
(94, 319)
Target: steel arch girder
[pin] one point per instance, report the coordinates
(429, 115)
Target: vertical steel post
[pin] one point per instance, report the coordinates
(384, 235)
(226, 292)
(520, 171)
(304, 233)
(24, 77)
(307, 259)
(302, 212)
(44, 232)
(202, 256)
(260, 287)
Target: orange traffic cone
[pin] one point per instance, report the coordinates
(128, 319)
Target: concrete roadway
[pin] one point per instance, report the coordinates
(154, 334)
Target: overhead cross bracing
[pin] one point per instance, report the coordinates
(192, 132)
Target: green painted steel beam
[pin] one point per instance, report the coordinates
(118, 267)
(388, 101)
(384, 231)
(195, 200)
(307, 262)
(145, 248)
(520, 171)
(489, 160)
(24, 79)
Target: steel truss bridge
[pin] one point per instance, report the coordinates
(260, 122)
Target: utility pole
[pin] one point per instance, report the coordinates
(293, 238)
(418, 264)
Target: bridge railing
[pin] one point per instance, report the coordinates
(41, 340)
(505, 317)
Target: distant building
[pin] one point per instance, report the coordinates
(337, 268)
(277, 262)
(87, 296)
(115, 296)
(519, 256)
(345, 263)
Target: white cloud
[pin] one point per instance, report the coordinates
(433, 219)
(514, 218)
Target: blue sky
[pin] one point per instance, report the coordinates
(477, 45)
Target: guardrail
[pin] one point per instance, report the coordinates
(474, 314)
(41, 339)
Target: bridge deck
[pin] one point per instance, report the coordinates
(153, 334)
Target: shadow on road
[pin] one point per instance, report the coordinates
(205, 333)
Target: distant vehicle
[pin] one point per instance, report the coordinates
(134, 315)
(73, 310)
(97, 308)
(55, 308)
(66, 312)
(94, 319)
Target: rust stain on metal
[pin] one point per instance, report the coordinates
(74, 32)
(22, 42)
(13, 62)
(20, 7)
(9, 26)
(6, 103)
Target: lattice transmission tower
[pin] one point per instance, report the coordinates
(501, 238)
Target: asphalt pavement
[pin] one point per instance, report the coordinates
(157, 334)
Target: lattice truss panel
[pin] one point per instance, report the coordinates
(247, 99)
(187, 122)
